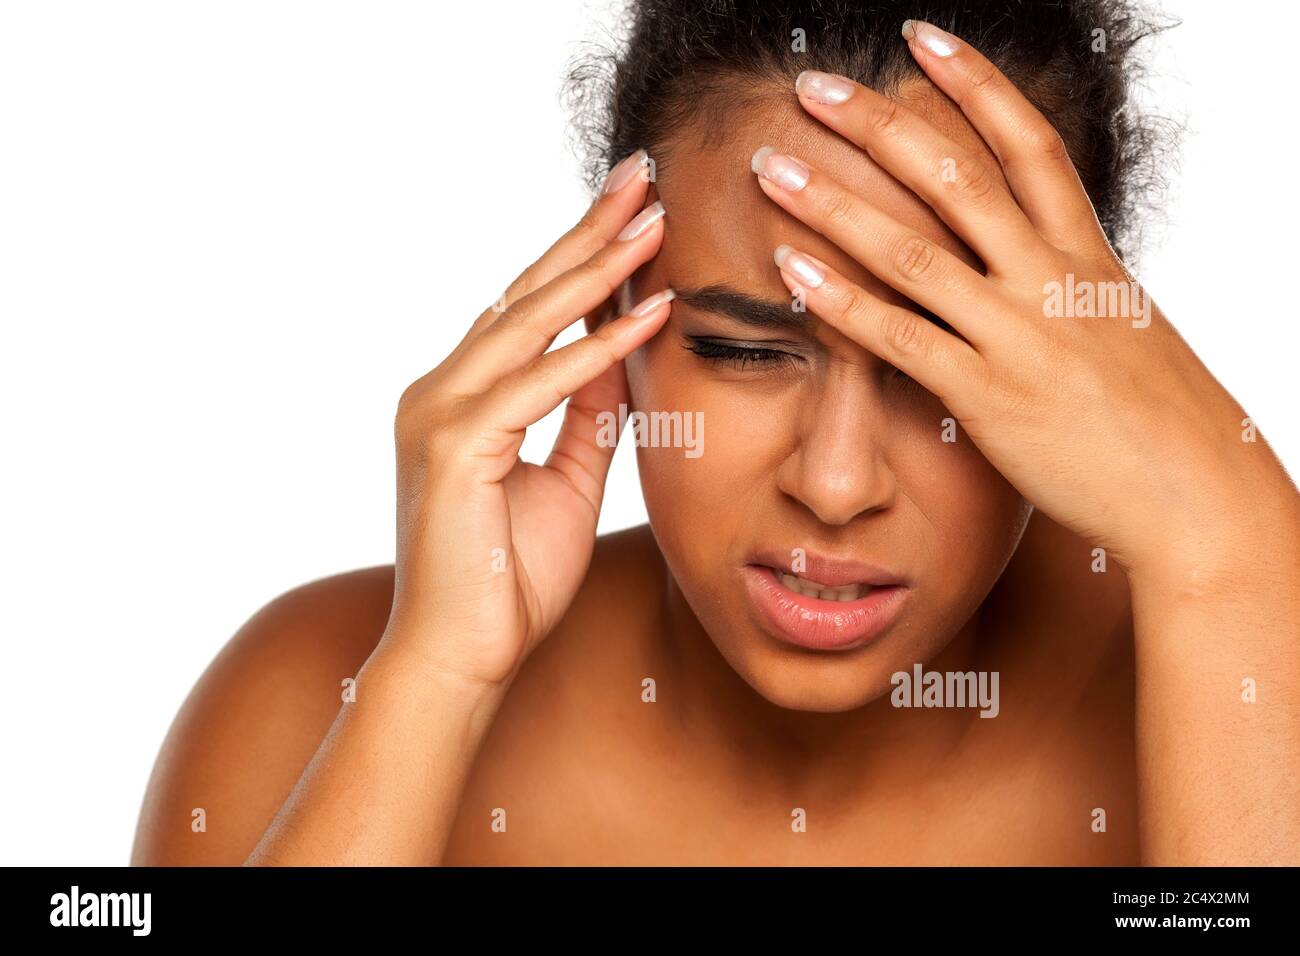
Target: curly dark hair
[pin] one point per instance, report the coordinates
(1076, 60)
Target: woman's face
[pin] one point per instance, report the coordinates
(816, 457)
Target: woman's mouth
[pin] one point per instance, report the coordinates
(850, 592)
(836, 613)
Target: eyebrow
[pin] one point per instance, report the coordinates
(763, 314)
(752, 311)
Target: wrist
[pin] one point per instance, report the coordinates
(406, 667)
(1255, 544)
(1212, 501)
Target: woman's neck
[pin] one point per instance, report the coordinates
(733, 728)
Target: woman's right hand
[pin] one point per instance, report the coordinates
(491, 550)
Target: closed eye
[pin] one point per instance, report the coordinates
(742, 356)
(738, 356)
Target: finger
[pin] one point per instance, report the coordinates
(920, 269)
(967, 193)
(530, 393)
(621, 196)
(1032, 153)
(529, 327)
(941, 362)
(585, 446)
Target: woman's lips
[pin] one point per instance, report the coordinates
(817, 623)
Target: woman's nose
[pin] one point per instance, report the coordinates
(838, 469)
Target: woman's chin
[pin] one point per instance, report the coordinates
(816, 697)
(816, 683)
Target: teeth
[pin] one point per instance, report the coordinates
(850, 592)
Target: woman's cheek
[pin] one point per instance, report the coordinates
(975, 517)
(722, 483)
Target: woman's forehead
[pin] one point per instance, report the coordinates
(719, 219)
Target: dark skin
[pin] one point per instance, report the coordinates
(845, 456)
(710, 772)
(744, 731)
(575, 751)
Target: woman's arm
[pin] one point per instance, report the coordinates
(384, 787)
(305, 743)
(254, 719)
(1077, 389)
(491, 550)
(1218, 690)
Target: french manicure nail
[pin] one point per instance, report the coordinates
(931, 37)
(786, 171)
(653, 302)
(624, 172)
(798, 265)
(823, 87)
(644, 220)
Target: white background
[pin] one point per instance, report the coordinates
(231, 233)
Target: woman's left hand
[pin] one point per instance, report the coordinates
(1107, 422)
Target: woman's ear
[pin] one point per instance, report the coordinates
(621, 302)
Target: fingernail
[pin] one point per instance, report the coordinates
(624, 172)
(931, 37)
(823, 87)
(649, 305)
(644, 220)
(798, 265)
(786, 171)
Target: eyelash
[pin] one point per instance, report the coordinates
(738, 357)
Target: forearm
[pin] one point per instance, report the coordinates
(386, 783)
(1218, 700)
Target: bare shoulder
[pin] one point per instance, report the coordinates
(573, 733)
(624, 583)
(256, 716)
(254, 719)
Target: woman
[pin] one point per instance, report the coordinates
(957, 554)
